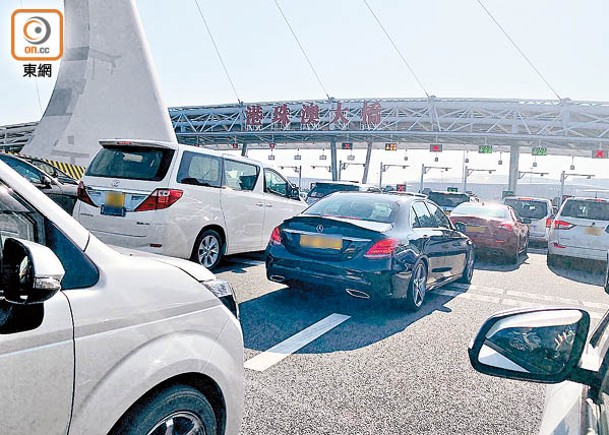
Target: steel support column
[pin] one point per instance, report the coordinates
(334, 161)
(513, 170)
(367, 163)
(244, 150)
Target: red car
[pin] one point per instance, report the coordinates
(494, 228)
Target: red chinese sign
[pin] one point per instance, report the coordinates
(339, 117)
(281, 114)
(254, 116)
(309, 115)
(371, 113)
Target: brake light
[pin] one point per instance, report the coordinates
(275, 237)
(549, 222)
(82, 195)
(382, 248)
(160, 199)
(562, 225)
(506, 226)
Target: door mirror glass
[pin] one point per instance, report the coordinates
(31, 273)
(460, 227)
(542, 345)
(293, 192)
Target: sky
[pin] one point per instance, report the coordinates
(453, 46)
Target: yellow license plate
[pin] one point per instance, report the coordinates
(115, 199)
(321, 242)
(593, 231)
(473, 229)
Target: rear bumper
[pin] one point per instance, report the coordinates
(578, 252)
(377, 278)
(494, 245)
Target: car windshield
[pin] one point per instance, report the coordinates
(479, 210)
(136, 163)
(359, 207)
(448, 199)
(586, 209)
(529, 208)
(322, 189)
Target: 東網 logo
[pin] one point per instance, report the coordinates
(37, 34)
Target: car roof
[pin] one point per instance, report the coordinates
(402, 199)
(587, 198)
(527, 198)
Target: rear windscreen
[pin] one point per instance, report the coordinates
(444, 199)
(321, 190)
(135, 163)
(485, 211)
(529, 209)
(359, 207)
(586, 209)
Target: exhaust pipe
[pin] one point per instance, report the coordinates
(357, 294)
(277, 278)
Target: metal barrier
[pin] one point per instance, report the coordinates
(74, 171)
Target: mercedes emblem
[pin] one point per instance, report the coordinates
(320, 228)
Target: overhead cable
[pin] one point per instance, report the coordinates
(519, 50)
(396, 48)
(321, 85)
(213, 41)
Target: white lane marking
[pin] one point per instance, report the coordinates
(282, 350)
(472, 296)
(462, 291)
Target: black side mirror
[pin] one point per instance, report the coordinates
(293, 192)
(31, 273)
(537, 344)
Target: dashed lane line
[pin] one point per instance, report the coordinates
(499, 297)
(280, 351)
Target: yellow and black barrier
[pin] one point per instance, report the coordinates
(74, 171)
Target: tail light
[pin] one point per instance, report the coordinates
(507, 226)
(160, 199)
(562, 225)
(549, 222)
(82, 195)
(382, 248)
(275, 237)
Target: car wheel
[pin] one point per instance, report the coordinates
(607, 278)
(179, 409)
(209, 249)
(468, 272)
(417, 288)
(513, 258)
(552, 260)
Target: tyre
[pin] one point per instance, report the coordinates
(552, 260)
(417, 288)
(179, 409)
(209, 249)
(468, 272)
(606, 284)
(525, 251)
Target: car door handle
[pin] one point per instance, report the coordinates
(260, 204)
(457, 244)
(269, 205)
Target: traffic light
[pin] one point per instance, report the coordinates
(235, 146)
(400, 188)
(600, 154)
(435, 148)
(347, 145)
(272, 145)
(485, 149)
(391, 146)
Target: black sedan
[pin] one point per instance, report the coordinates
(372, 245)
(64, 194)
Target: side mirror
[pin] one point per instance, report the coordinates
(31, 273)
(537, 344)
(293, 192)
(460, 227)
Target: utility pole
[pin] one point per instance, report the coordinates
(426, 169)
(469, 171)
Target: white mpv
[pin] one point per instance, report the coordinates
(182, 201)
(93, 341)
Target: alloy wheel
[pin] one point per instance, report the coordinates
(179, 423)
(209, 251)
(419, 287)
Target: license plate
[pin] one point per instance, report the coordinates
(321, 242)
(474, 229)
(114, 204)
(593, 231)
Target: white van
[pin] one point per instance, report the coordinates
(537, 213)
(182, 201)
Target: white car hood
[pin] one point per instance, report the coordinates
(195, 270)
